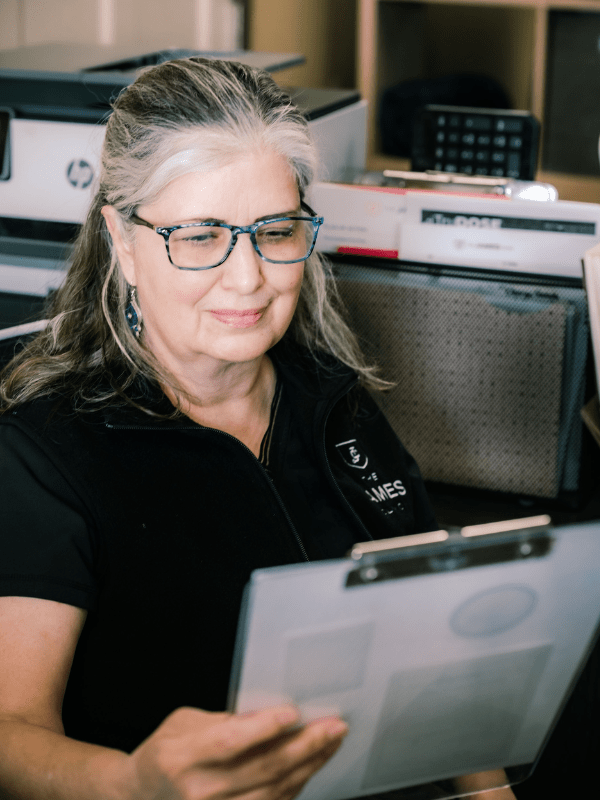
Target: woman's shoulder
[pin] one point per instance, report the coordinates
(75, 406)
(42, 433)
(37, 413)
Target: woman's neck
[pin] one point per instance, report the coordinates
(235, 398)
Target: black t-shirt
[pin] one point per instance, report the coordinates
(45, 547)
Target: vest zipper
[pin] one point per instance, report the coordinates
(299, 541)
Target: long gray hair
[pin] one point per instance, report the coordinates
(182, 116)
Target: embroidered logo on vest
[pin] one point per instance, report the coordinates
(351, 454)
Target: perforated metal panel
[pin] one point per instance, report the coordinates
(489, 375)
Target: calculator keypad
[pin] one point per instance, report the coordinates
(475, 142)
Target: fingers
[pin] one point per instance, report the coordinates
(277, 730)
(233, 735)
(218, 737)
(291, 758)
(316, 737)
(211, 756)
(304, 759)
(275, 768)
(284, 785)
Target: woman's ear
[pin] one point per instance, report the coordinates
(123, 248)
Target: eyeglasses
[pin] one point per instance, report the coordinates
(205, 245)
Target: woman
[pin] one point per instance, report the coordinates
(195, 409)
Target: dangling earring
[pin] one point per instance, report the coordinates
(133, 313)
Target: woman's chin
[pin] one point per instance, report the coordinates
(243, 354)
(249, 346)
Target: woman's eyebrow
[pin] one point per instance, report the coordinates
(214, 221)
(197, 220)
(296, 211)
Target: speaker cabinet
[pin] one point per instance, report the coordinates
(489, 371)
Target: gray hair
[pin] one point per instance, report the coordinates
(196, 115)
(182, 116)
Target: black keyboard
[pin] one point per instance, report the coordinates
(475, 141)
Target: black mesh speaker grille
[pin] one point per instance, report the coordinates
(489, 375)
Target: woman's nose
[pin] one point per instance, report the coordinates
(242, 270)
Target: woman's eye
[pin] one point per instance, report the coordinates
(272, 234)
(198, 238)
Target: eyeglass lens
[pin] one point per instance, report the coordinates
(205, 245)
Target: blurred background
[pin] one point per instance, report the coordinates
(323, 30)
(542, 54)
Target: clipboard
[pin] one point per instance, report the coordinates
(449, 654)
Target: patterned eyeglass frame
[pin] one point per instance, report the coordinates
(235, 231)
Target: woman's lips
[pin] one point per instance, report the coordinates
(238, 319)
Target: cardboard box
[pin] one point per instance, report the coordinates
(478, 231)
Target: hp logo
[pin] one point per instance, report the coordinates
(80, 174)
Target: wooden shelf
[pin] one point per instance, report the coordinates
(584, 188)
(503, 39)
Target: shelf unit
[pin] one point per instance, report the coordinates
(504, 39)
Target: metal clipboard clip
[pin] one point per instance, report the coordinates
(448, 550)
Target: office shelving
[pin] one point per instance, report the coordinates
(505, 39)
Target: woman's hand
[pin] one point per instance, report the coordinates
(197, 755)
(479, 781)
